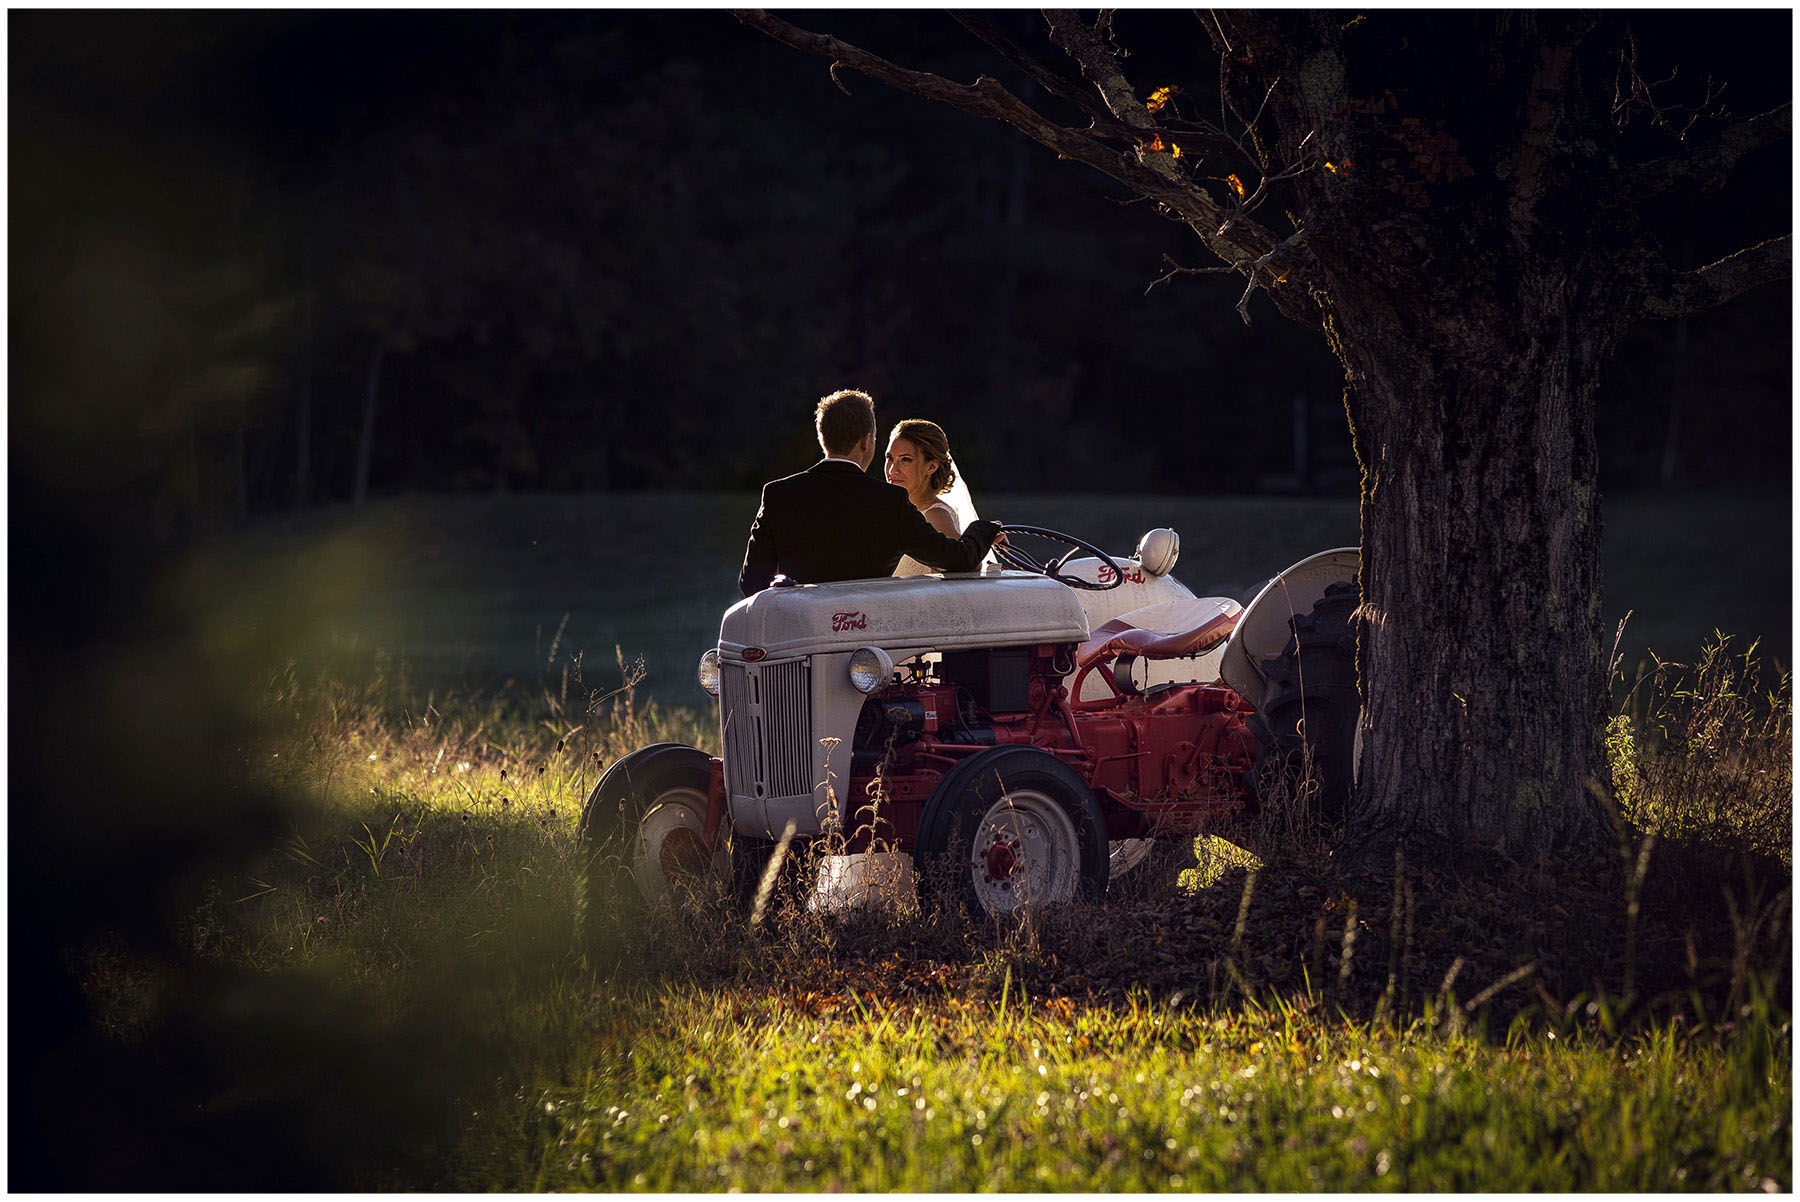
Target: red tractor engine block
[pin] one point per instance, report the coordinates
(1162, 763)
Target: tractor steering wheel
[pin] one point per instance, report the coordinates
(1013, 556)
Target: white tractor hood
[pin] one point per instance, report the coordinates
(904, 615)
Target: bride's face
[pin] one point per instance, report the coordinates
(905, 466)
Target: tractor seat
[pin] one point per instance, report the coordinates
(1164, 630)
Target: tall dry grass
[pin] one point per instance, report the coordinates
(1703, 752)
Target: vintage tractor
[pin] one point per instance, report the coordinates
(1022, 731)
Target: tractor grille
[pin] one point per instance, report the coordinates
(743, 762)
(787, 729)
(767, 715)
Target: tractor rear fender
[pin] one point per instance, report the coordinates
(1264, 628)
(633, 778)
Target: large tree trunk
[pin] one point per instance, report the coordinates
(1469, 292)
(1482, 652)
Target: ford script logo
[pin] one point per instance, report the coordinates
(1134, 576)
(851, 620)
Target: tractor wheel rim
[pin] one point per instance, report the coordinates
(668, 855)
(1026, 853)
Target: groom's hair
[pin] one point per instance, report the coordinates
(843, 419)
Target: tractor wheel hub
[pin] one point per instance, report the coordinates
(683, 854)
(1002, 861)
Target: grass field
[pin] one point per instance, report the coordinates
(484, 589)
(386, 992)
(696, 1090)
(402, 987)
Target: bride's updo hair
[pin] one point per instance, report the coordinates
(929, 438)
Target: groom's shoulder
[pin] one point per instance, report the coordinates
(834, 489)
(788, 484)
(832, 477)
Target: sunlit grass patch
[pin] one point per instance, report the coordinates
(431, 877)
(695, 1090)
(1213, 857)
(436, 829)
(1703, 751)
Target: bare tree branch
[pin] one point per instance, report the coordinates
(1713, 285)
(1259, 265)
(1632, 94)
(1044, 77)
(1099, 64)
(1203, 140)
(1152, 173)
(1254, 36)
(1708, 163)
(984, 98)
(1542, 115)
(1176, 269)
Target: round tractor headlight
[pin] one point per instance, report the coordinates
(709, 671)
(1158, 550)
(870, 668)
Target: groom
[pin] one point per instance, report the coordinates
(834, 521)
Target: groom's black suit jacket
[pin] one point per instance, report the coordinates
(834, 521)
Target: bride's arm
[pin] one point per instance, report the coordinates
(943, 519)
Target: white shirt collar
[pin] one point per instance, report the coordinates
(840, 459)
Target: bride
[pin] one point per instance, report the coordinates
(918, 460)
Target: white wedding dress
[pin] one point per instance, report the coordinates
(961, 508)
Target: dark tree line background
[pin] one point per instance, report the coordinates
(267, 260)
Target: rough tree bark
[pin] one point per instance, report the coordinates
(1445, 202)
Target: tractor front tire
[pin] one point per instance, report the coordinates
(640, 837)
(1305, 725)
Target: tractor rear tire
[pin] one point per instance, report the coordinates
(640, 837)
(1305, 725)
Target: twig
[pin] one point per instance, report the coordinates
(1248, 266)
(1518, 974)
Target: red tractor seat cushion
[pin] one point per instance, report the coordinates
(1163, 630)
